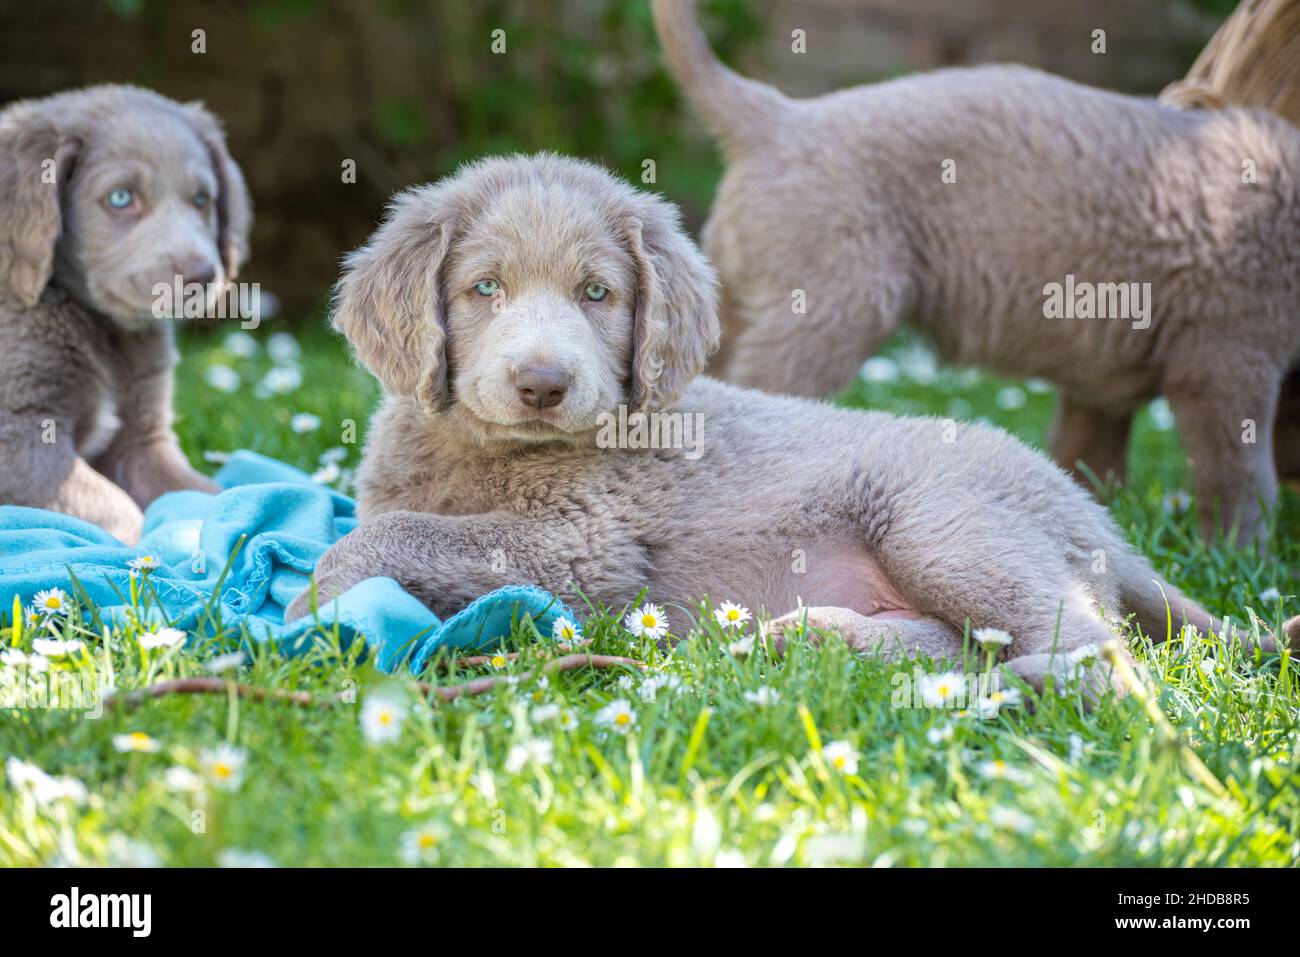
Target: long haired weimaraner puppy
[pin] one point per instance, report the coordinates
(516, 309)
(106, 193)
(1118, 246)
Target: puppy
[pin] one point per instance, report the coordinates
(518, 310)
(996, 209)
(104, 193)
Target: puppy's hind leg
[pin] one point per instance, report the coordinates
(1097, 439)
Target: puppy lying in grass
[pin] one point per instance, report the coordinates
(516, 309)
(1117, 246)
(104, 193)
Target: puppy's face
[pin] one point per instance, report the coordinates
(540, 296)
(526, 296)
(140, 209)
(112, 191)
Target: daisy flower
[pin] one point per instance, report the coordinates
(162, 638)
(1009, 819)
(536, 751)
(618, 716)
(51, 601)
(1208, 666)
(742, 647)
(304, 422)
(545, 712)
(763, 697)
(327, 474)
(240, 345)
(999, 770)
(56, 647)
(568, 720)
(224, 766)
(44, 788)
(283, 348)
(135, 741)
(182, 780)
(222, 378)
(648, 621)
(381, 718)
(731, 615)
(1269, 596)
(226, 662)
(938, 736)
(280, 380)
(34, 663)
(498, 660)
(941, 690)
(991, 639)
(841, 756)
(144, 563)
(565, 632)
(994, 701)
(420, 846)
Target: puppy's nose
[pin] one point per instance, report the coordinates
(541, 387)
(200, 271)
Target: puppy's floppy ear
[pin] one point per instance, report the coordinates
(390, 303)
(675, 329)
(234, 204)
(36, 159)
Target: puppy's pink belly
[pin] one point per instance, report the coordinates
(843, 576)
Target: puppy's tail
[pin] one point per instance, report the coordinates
(738, 110)
(1161, 610)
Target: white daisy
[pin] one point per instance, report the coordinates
(162, 638)
(942, 689)
(226, 662)
(57, 647)
(327, 474)
(135, 741)
(280, 380)
(999, 770)
(283, 348)
(1009, 819)
(498, 660)
(240, 345)
(618, 716)
(991, 639)
(381, 718)
(224, 766)
(34, 663)
(420, 846)
(144, 563)
(222, 378)
(565, 632)
(51, 601)
(1208, 666)
(994, 701)
(535, 751)
(763, 697)
(568, 720)
(742, 647)
(938, 735)
(841, 756)
(44, 788)
(1270, 596)
(545, 712)
(648, 621)
(182, 780)
(731, 615)
(335, 454)
(304, 422)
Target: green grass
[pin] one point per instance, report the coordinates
(704, 775)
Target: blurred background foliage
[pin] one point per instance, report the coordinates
(408, 89)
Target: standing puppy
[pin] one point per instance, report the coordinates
(105, 193)
(1120, 247)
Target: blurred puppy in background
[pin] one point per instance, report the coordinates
(106, 194)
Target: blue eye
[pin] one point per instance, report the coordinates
(487, 287)
(120, 198)
(595, 291)
(201, 199)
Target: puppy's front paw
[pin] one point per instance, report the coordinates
(806, 624)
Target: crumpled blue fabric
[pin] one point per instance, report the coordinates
(285, 522)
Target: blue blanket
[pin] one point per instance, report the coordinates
(285, 522)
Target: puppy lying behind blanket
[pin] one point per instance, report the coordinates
(1120, 247)
(104, 192)
(517, 311)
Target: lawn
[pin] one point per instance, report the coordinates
(721, 757)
